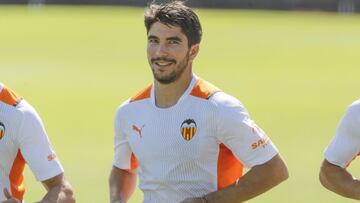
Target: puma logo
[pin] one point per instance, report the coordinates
(138, 130)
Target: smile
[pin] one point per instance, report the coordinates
(163, 63)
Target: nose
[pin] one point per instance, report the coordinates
(160, 50)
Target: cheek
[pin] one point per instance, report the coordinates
(179, 52)
(149, 49)
(150, 52)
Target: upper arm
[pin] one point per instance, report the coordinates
(327, 169)
(123, 157)
(118, 173)
(274, 167)
(239, 133)
(120, 176)
(36, 148)
(345, 145)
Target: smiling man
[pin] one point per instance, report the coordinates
(23, 140)
(187, 140)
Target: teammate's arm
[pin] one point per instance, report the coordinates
(256, 181)
(343, 148)
(37, 151)
(122, 184)
(9, 197)
(59, 190)
(339, 180)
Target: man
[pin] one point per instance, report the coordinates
(182, 135)
(343, 148)
(23, 140)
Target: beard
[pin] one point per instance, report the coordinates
(175, 74)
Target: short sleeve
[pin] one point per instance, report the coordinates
(240, 134)
(345, 145)
(35, 146)
(124, 157)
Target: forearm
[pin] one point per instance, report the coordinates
(116, 195)
(339, 180)
(59, 194)
(255, 182)
(122, 185)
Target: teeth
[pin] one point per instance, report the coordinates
(163, 63)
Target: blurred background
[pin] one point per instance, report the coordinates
(293, 63)
(326, 5)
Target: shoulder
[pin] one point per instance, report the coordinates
(226, 102)
(351, 119)
(224, 99)
(354, 109)
(352, 114)
(8, 96)
(204, 89)
(30, 115)
(142, 95)
(221, 100)
(139, 97)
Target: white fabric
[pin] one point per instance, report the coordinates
(345, 145)
(171, 168)
(24, 131)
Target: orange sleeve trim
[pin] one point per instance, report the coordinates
(204, 89)
(9, 97)
(16, 177)
(144, 94)
(133, 162)
(230, 169)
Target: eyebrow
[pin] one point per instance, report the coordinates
(169, 38)
(174, 38)
(152, 37)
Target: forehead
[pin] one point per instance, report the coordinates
(161, 30)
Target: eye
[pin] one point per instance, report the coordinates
(174, 42)
(152, 40)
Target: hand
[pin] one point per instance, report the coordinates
(9, 198)
(194, 200)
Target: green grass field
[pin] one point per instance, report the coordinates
(296, 72)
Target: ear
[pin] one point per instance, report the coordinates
(194, 50)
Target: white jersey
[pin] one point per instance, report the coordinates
(191, 148)
(22, 140)
(345, 145)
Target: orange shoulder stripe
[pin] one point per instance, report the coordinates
(230, 169)
(9, 97)
(16, 177)
(204, 89)
(144, 94)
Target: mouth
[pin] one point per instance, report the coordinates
(163, 62)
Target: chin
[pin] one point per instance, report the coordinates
(165, 80)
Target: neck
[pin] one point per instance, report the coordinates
(167, 95)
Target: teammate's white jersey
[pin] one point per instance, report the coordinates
(345, 145)
(187, 150)
(22, 140)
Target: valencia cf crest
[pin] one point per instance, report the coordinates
(2, 130)
(188, 129)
